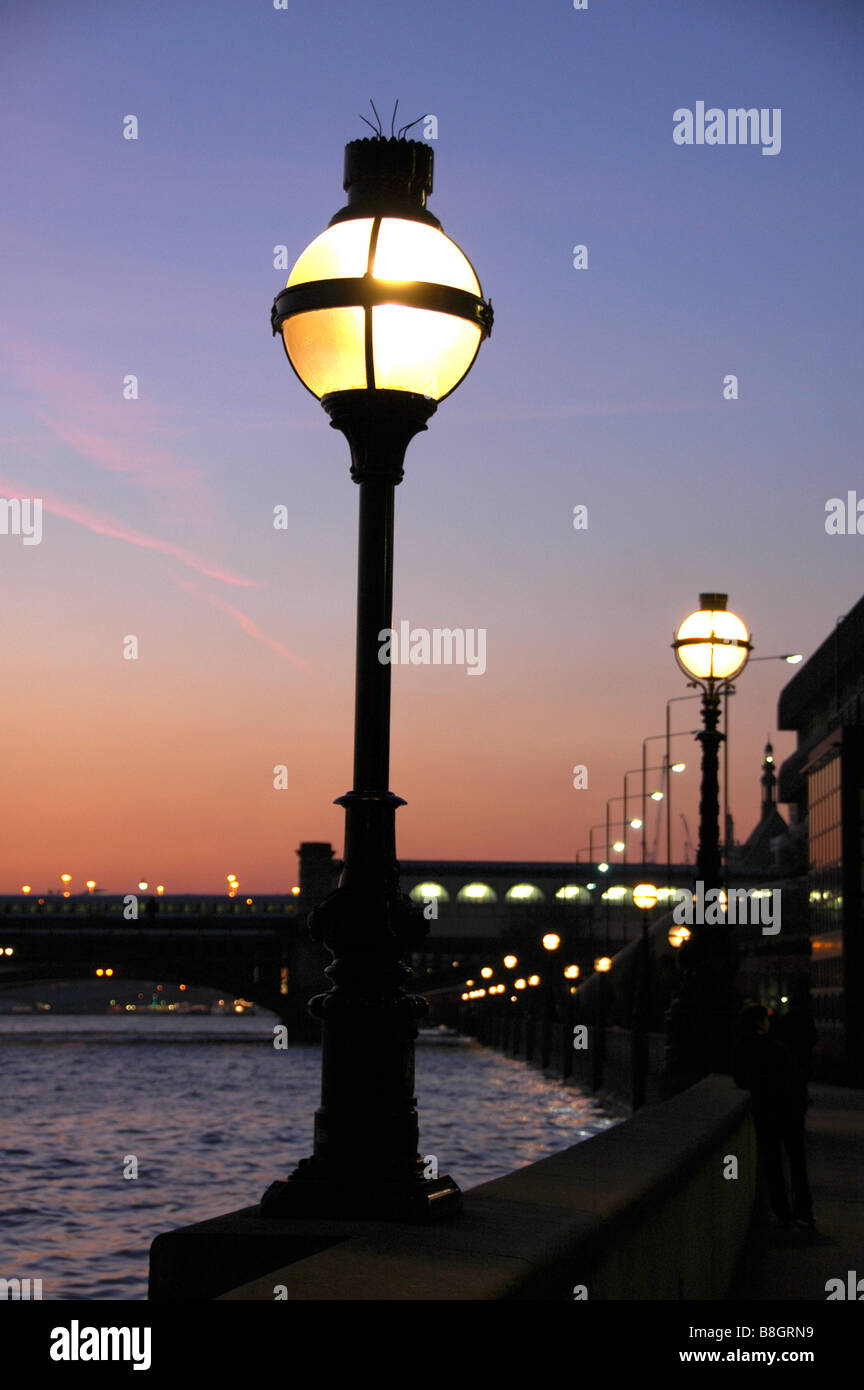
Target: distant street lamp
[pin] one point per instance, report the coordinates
(645, 898)
(711, 646)
(655, 795)
(381, 319)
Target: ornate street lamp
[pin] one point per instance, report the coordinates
(381, 319)
(711, 646)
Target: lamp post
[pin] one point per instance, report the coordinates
(381, 319)
(711, 646)
(655, 795)
(645, 898)
(619, 846)
(668, 767)
(669, 736)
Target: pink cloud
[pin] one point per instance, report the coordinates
(103, 525)
(110, 433)
(247, 624)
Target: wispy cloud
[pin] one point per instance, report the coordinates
(101, 524)
(113, 435)
(247, 624)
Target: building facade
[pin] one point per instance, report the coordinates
(823, 783)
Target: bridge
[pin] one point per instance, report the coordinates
(258, 947)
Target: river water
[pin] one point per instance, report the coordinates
(212, 1113)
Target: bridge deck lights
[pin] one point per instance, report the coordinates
(381, 319)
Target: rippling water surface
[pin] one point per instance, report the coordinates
(213, 1113)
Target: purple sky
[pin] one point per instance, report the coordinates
(601, 386)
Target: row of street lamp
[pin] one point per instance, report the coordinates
(381, 318)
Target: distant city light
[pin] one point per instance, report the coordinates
(645, 895)
(295, 890)
(533, 979)
(476, 891)
(487, 972)
(429, 890)
(511, 962)
(25, 888)
(524, 892)
(571, 972)
(143, 886)
(520, 984)
(602, 964)
(678, 935)
(551, 941)
(603, 868)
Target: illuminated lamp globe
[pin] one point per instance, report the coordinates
(383, 300)
(677, 936)
(712, 644)
(645, 895)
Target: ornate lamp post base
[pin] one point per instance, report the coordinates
(365, 1159)
(312, 1191)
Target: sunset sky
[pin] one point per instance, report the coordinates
(601, 386)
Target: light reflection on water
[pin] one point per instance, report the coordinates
(213, 1113)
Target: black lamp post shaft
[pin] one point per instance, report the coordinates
(365, 1160)
(374, 614)
(708, 862)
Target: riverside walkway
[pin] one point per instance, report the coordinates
(792, 1264)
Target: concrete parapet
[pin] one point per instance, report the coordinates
(642, 1211)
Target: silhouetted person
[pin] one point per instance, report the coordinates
(151, 907)
(767, 1069)
(797, 1031)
